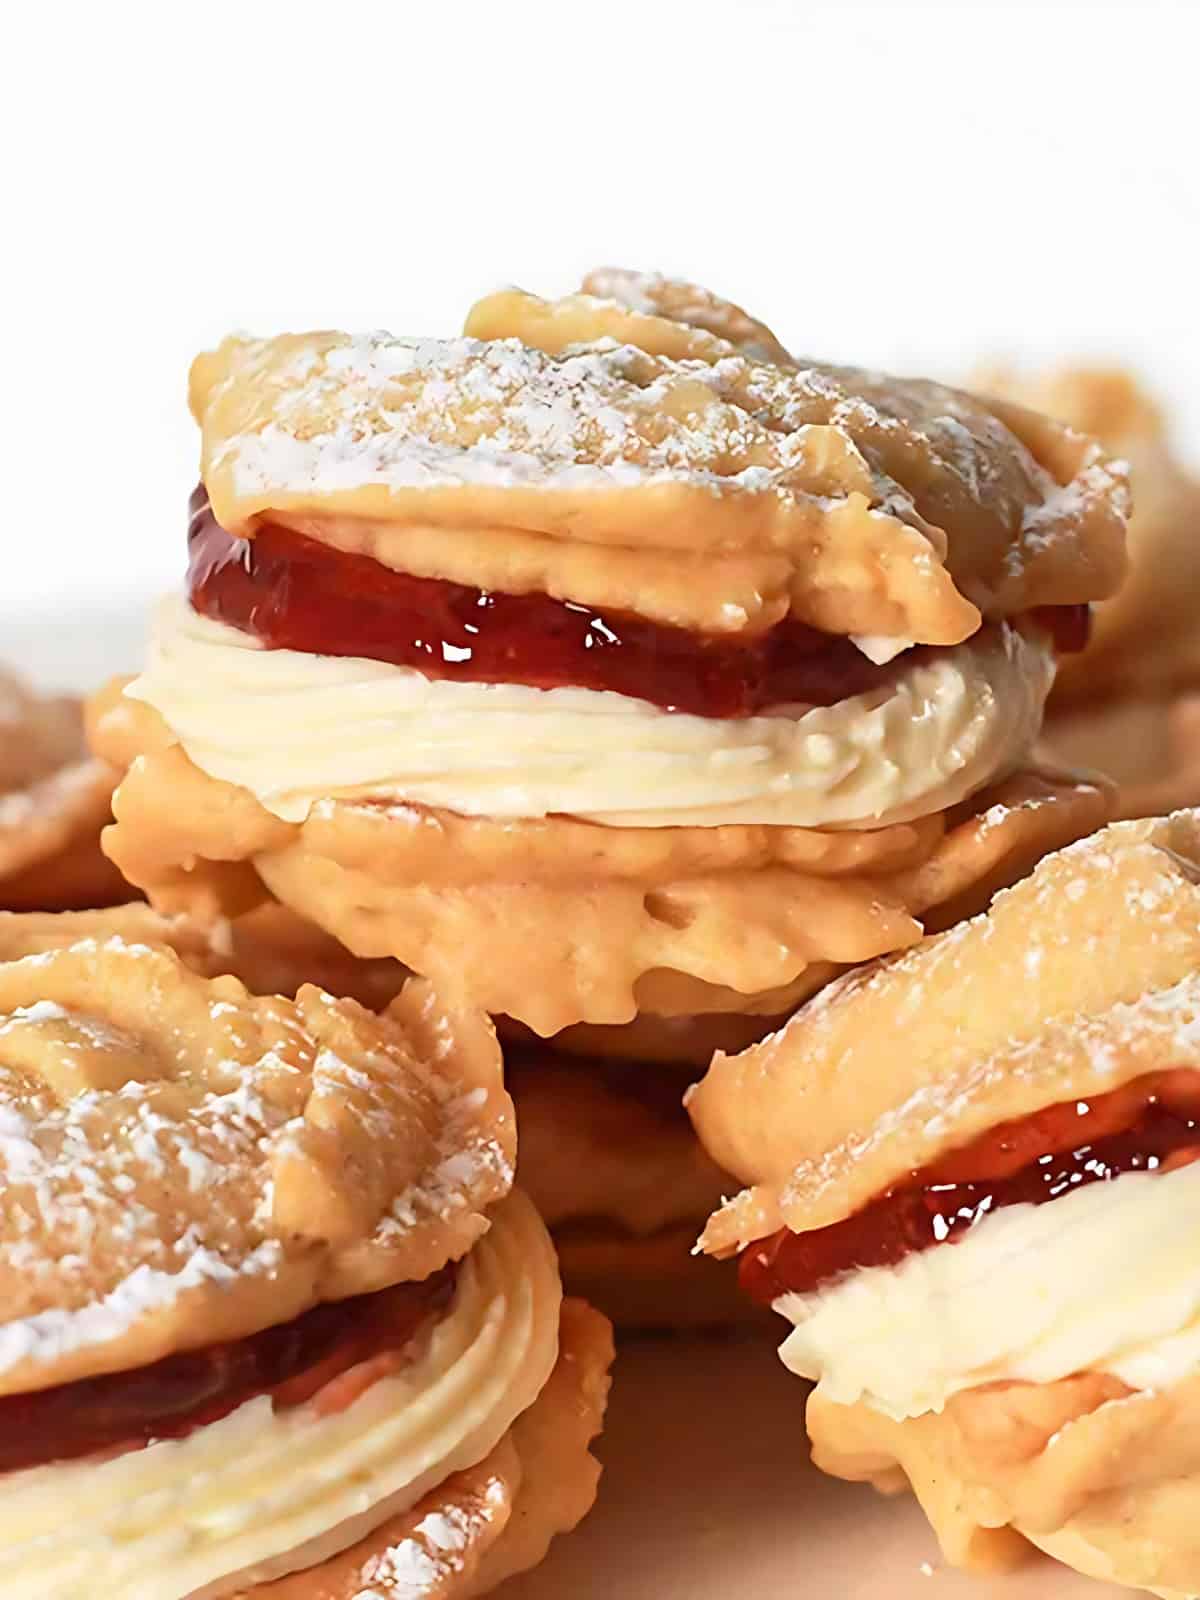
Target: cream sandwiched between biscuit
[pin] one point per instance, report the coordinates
(271, 1321)
(973, 1189)
(607, 660)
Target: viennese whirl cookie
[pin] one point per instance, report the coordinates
(606, 660)
(973, 1189)
(271, 1323)
(55, 799)
(1128, 705)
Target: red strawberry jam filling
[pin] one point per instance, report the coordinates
(294, 593)
(326, 1358)
(1150, 1125)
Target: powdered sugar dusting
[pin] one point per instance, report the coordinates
(48, 1335)
(1067, 503)
(397, 427)
(420, 1564)
(40, 1011)
(1082, 976)
(1171, 1015)
(1139, 851)
(97, 1185)
(636, 291)
(467, 1161)
(411, 413)
(677, 300)
(166, 1136)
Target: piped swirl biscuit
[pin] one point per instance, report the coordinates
(708, 490)
(984, 1237)
(591, 637)
(54, 800)
(494, 1519)
(1126, 705)
(672, 921)
(242, 1158)
(1144, 642)
(1071, 955)
(271, 1322)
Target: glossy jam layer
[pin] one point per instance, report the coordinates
(1147, 1126)
(172, 1398)
(294, 593)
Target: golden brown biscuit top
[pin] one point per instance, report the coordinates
(44, 761)
(664, 316)
(182, 1163)
(677, 300)
(722, 489)
(1144, 641)
(54, 799)
(1082, 978)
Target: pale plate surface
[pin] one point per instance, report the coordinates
(707, 1492)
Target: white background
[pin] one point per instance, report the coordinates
(911, 185)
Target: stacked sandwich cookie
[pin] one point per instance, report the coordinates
(619, 673)
(1129, 705)
(973, 1191)
(54, 800)
(273, 1323)
(609, 1158)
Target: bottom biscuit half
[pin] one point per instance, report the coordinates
(1101, 1477)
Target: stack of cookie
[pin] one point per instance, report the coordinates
(624, 676)
(274, 1324)
(547, 709)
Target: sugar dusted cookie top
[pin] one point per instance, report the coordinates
(183, 1163)
(1082, 978)
(654, 446)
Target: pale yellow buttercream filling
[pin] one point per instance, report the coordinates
(261, 1493)
(295, 728)
(1102, 1279)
